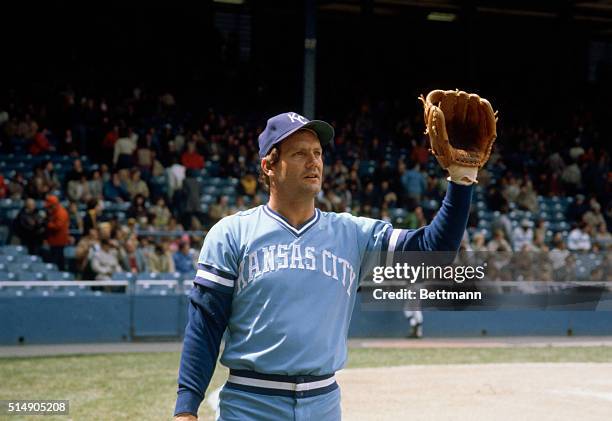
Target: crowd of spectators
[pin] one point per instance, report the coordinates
(379, 163)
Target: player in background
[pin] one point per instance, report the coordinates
(282, 278)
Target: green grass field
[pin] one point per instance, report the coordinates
(142, 386)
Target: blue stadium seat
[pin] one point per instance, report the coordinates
(171, 276)
(483, 224)
(483, 214)
(13, 250)
(12, 292)
(210, 190)
(154, 289)
(56, 275)
(147, 276)
(582, 273)
(558, 216)
(72, 290)
(6, 258)
(544, 215)
(17, 267)
(27, 258)
(70, 252)
(558, 207)
(431, 204)
(43, 267)
(7, 276)
(123, 276)
(398, 213)
(41, 291)
(229, 190)
(30, 276)
(11, 204)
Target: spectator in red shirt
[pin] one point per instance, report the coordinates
(58, 222)
(420, 152)
(3, 187)
(108, 144)
(191, 159)
(40, 143)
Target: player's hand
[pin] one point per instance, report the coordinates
(185, 417)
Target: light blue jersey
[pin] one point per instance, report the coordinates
(293, 289)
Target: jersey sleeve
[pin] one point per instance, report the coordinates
(443, 234)
(218, 261)
(379, 236)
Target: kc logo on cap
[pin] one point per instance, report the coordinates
(296, 117)
(281, 126)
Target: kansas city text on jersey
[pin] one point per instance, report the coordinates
(295, 256)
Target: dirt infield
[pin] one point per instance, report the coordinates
(527, 391)
(491, 342)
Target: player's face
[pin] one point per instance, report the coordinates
(300, 168)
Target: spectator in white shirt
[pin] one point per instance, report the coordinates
(559, 252)
(105, 260)
(522, 235)
(579, 238)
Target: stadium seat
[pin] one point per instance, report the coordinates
(398, 213)
(582, 273)
(208, 199)
(228, 190)
(17, 267)
(12, 291)
(77, 290)
(147, 276)
(171, 276)
(558, 216)
(27, 258)
(210, 190)
(30, 276)
(43, 267)
(56, 275)
(123, 276)
(7, 276)
(431, 204)
(70, 252)
(40, 291)
(6, 258)
(13, 250)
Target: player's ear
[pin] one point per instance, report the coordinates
(266, 168)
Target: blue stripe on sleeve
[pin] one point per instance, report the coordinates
(213, 285)
(215, 271)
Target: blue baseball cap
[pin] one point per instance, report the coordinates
(281, 126)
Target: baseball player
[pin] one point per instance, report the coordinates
(282, 279)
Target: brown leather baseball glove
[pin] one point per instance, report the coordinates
(461, 127)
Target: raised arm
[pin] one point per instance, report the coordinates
(445, 231)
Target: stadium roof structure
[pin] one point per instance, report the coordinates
(590, 10)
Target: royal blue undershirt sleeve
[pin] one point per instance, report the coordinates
(445, 231)
(209, 312)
